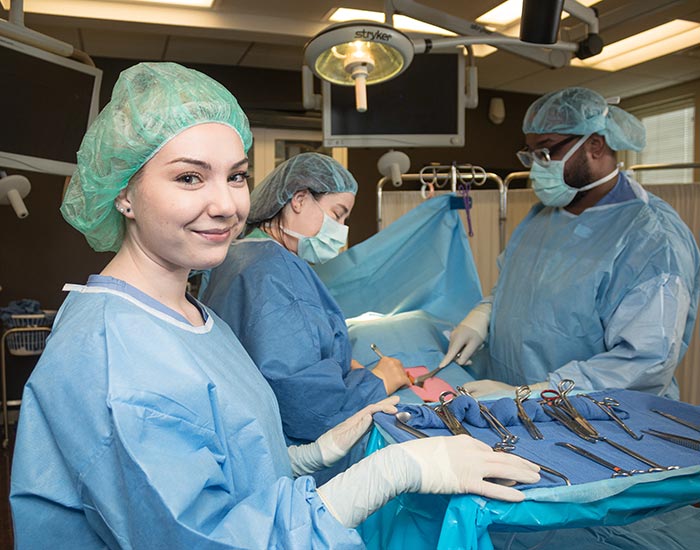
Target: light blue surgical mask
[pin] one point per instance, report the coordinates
(548, 181)
(323, 246)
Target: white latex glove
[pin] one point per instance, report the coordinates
(337, 442)
(444, 465)
(468, 336)
(481, 388)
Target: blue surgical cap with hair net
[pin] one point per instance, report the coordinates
(314, 171)
(580, 111)
(151, 104)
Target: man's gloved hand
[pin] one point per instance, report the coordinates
(468, 336)
(337, 442)
(445, 465)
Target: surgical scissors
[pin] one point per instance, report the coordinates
(521, 395)
(560, 399)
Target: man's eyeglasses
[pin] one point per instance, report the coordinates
(542, 156)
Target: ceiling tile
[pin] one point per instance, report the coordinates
(70, 35)
(128, 45)
(202, 50)
(273, 56)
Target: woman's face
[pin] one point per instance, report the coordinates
(337, 205)
(190, 200)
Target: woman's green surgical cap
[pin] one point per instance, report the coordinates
(314, 171)
(151, 104)
(581, 112)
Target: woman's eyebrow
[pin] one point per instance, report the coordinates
(205, 165)
(202, 164)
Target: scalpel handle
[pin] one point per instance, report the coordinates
(595, 458)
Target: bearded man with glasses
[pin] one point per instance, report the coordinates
(600, 282)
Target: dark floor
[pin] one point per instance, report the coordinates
(6, 539)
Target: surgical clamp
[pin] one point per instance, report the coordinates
(606, 405)
(495, 424)
(446, 415)
(521, 395)
(617, 471)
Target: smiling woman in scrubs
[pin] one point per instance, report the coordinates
(145, 423)
(281, 311)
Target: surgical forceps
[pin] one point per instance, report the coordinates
(688, 442)
(446, 415)
(521, 395)
(506, 436)
(677, 420)
(607, 406)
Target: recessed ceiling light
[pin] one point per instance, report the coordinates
(509, 12)
(192, 3)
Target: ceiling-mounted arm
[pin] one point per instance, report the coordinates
(592, 44)
(553, 55)
(588, 15)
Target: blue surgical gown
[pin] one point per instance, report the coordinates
(607, 298)
(295, 332)
(139, 430)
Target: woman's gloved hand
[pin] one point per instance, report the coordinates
(392, 373)
(468, 336)
(337, 442)
(445, 465)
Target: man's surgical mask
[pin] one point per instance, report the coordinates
(323, 246)
(548, 181)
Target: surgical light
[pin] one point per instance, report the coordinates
(359, 53)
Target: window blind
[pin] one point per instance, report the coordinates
(670, 139)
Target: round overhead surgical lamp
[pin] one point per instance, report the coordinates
(358, 53)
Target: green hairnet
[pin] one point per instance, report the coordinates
(313, 171)
(580, 111)
(151, 104)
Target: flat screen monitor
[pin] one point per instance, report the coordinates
(422, 107)
(47, 101)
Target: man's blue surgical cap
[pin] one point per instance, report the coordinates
(151, 104)
(580, 111)
(314, 171)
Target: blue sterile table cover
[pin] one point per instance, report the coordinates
(419, 276)
(594, 498)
